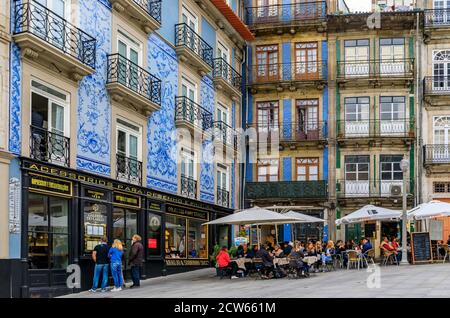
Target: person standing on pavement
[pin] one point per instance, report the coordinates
(115, 254)
(135, 259)
(100, 257)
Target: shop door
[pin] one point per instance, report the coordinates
(48, 240)
(125, 225)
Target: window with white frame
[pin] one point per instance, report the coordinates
(50, 123)
(129, 150)
(268, 170)
(130, 59)
(392, 56)
(188, 168)
(441, 70)
(356, 57)
(222, 177)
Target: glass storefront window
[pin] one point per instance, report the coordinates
(180, 230)
(223, 235)
(198, 246)
(175, 237)
(124, 226)
(95, 225)
(154, 234)
(48, 232)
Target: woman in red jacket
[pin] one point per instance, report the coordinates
(224, 262)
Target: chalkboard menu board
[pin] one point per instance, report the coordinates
(421, 247)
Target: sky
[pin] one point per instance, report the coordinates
(359, 5)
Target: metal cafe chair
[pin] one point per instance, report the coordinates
(353, 259)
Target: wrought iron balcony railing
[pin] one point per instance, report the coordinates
(225, 133)
(49, 146)
(289, 72)
(32, 17)
(286, 190)
(436, 85)
(436, 154)
(152, 7)
(128, 169)
(375, 68)
(291, 132)
(437, 18)
(303, 12)
(188, 187)
(125, 72)
(371, 188)
(227, 72)
(186, 110)
(396, 128)
(186, 36)
(223, 197)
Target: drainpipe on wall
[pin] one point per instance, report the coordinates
(418, 171)
(243, 122)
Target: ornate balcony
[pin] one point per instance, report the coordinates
(371, 131)
(301, 16)
(188, 187)
(128, 169)
(291, 134)
(225, 134)
(190, 115)
(376, 72)
(145, 13)
(280, 76)
(192, 49)
(130, 84)
(436, 90)
(49, 147)
(356, 191)
(223, 197)
(46, 37)
(436, 158)
(226, 78)
(286, 190)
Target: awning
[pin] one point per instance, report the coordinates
(429, 210)
(370, 213)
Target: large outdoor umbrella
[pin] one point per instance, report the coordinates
(429, 210)
(303, 218)
(370, 213)
(254, 216)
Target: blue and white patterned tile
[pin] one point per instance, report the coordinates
(233, 184)
(15, 109)
(207, 172)
(161, 136)
(94, 106)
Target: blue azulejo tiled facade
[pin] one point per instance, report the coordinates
(93, 127)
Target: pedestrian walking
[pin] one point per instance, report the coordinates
(100, 257)
(115, 255)
(136, 259)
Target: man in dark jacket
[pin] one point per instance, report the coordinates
(267, 260)
(136, 258)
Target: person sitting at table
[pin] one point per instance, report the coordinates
(365, 246)
(288, 248)
(440, 248)
(225, 263)
(327, 256)
(297, 255)
(350, 245)
(302, 247)
(448, 240)
(278, 252)
(267, 260)
(396, 247)
(311, 250)
(240, 251)
(319, 248)
(251, 252)
(387, 246)
(340, 249)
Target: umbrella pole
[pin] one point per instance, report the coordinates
(276, 234)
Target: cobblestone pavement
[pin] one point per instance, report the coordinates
(421, 281)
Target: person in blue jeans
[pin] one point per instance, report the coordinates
(115, 255)
(100, 257)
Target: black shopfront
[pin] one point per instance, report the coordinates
(65, 214)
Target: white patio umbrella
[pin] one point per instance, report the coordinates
(370, 213)
(254, 216)
(429, 210)
(303, 218)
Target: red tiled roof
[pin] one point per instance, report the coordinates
(234, 20)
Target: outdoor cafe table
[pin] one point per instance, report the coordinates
(280, 261)
(310, 260)
(241, 262)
